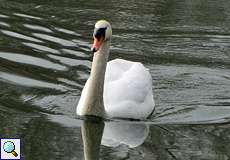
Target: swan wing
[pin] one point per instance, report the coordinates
(127, 90)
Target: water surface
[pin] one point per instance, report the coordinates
(45, 60)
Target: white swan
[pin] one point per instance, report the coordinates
(122, 89)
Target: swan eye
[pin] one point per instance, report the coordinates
(99, 32)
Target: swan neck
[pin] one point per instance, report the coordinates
(94, 97)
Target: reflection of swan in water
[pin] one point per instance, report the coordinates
(129, 134)
(115, 134)
(92, 131)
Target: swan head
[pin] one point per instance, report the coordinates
(102, 32)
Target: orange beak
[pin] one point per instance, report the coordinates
(97, 44)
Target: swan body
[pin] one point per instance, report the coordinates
(127, 90)
(119, 88)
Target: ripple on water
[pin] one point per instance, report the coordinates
(20, 36)
(69, 82)
(83, 75)
(4, 16)
(37, 27)
(25, 59)
(198, 115)
(28, 82)
(66, 31)
(187, 93)
(41, 48)
(70, 61)
(84, 45)
(4, 24)
(27, 16)
(57, 40)
(73, 52)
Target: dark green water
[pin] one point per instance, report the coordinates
(45, 60)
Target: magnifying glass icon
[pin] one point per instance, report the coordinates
(9, 147)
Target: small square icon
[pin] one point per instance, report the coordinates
(10, 149)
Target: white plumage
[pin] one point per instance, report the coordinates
(119, 88)
(127, 90)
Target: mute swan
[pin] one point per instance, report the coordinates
(123, 89)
